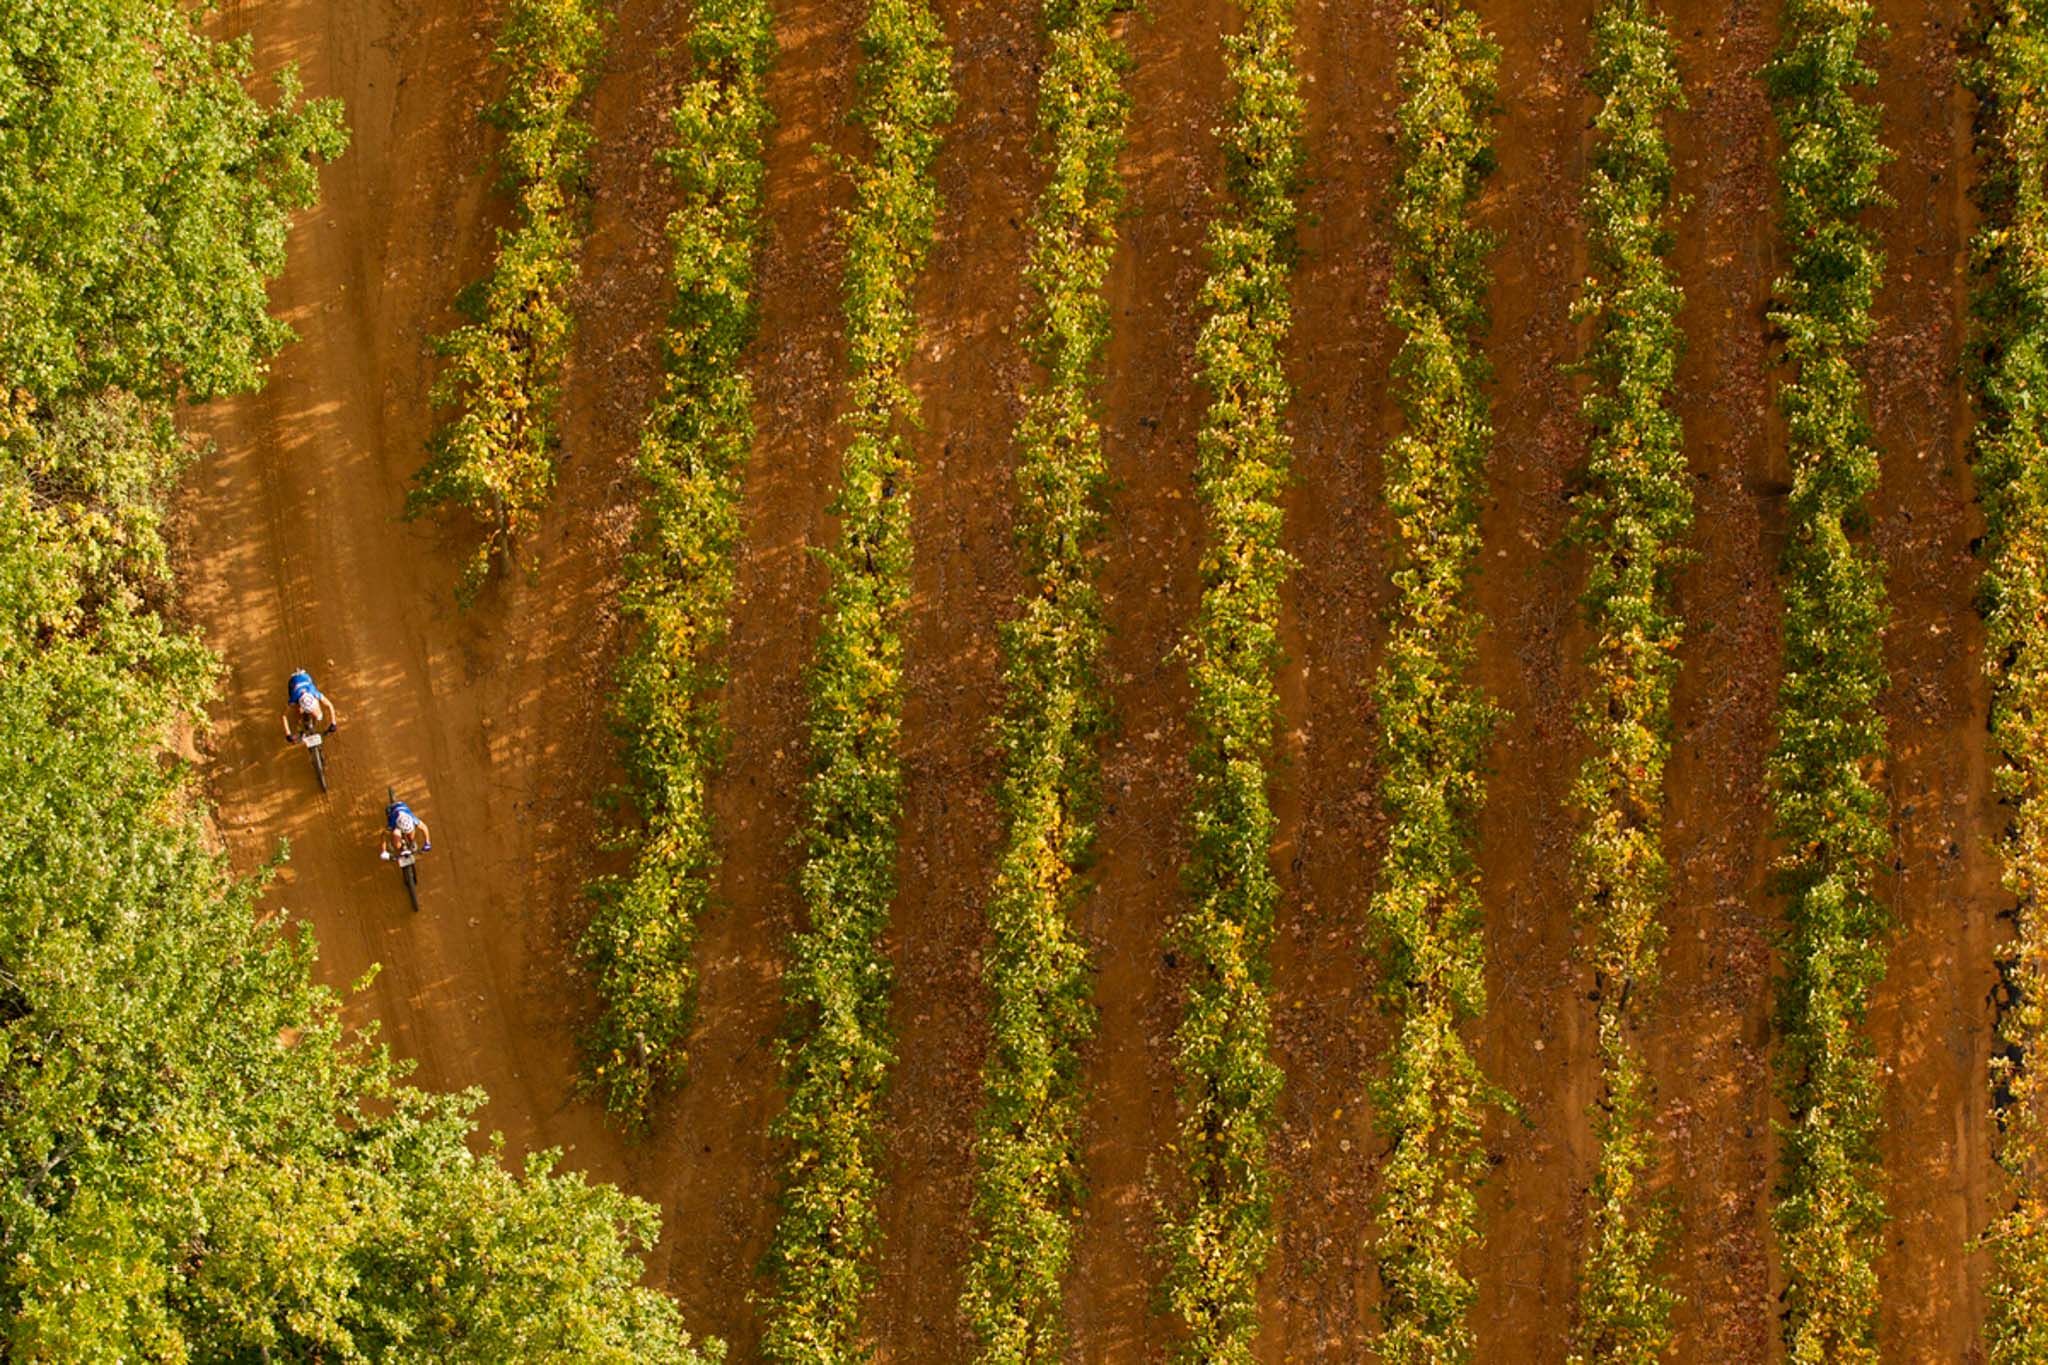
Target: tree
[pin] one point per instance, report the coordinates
(144, 197)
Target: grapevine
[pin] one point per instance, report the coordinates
(1829, 811)
(1632, 518)
(495, 457)
(1433, 722)
(679, 589)
(838, 982)
(1027, 1184)
(2009, 74)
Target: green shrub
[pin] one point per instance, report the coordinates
(144, 201)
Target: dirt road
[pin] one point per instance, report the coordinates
(296, 557)
(491, 723)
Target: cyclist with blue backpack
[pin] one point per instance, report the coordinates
(402, 827)
(311, 705)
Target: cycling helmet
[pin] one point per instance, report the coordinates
(404, 822)
(309, 704)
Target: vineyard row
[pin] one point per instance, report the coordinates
(838, 980)
(495, 457)
(1219, 1240)
(1829, 813)
(679, 589)
(1027, 1186)
(2010, 75)
(1433, 721)
(1632, 520)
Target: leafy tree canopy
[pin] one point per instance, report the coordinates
(144, 198)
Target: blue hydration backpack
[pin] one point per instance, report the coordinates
(392, 812)
(298, 685)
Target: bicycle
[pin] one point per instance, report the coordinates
(408, 858)
(314, 742)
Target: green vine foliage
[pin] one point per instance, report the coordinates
(1228, 1081)
(679, 588)
(838, 980)
(1632, 520)
(1027, 1183)
(2009, 73)
(1433, 722)
(1830, 814)
(496, 456)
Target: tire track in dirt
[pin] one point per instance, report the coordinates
(1321, 1292)
(1931, 1018)
(1151, 410)
(969, 374)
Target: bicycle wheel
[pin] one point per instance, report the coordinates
(412, 887)
(320, 767)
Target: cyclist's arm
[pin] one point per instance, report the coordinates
(425, 837)
(333, 713)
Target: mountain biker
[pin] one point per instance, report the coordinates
(401, 826)
(311, 705)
